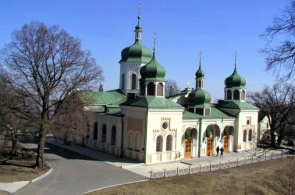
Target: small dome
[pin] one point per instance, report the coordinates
(200, 73)
(235, 80)
(153, 70)
(199, 96)
(136, 53)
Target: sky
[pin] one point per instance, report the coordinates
(217, 28)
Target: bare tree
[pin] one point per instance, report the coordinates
(278, 104)
(171, 85)
(47, 64)
(280, 56)
(73, 120)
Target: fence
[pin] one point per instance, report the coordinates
(192, 169)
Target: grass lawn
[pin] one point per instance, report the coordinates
(20, 168)
(260, 178)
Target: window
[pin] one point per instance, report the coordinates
(131, 141)
(228, 94)
(169, 143)
(236, 95)
(165, 125)
(123, 81)
(159, 143)
(250, 135)
(114, 132)
(133, 81)
(160, 89)
(200, 84)
(104, 133)
(95, 129)
(151, 89)
(138, 142)
(245, 136)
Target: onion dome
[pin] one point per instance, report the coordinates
(153, 71)
(235, 80)
(199, 96)
(200, 73)
(136, 53)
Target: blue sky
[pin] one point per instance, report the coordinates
(217, 28)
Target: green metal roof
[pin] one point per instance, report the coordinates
(152, 102)
(215, 114)
(153, 70)
(235, 80)
(136, 53)
(236, 104)
(103, 98)
(200, 73)
(199, 96)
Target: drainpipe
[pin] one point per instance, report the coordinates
(122, 137)
(145, 135)
(200, 134)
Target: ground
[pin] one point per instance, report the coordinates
(19, 168)
(260, 178)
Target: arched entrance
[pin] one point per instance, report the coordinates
(190, 142)
(212, 132)
(228, 131)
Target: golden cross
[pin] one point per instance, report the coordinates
(200, 56)
(236, 54)
(155, 36)
(139, 7)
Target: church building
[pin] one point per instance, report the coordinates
(139, 121)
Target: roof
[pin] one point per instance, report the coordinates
(236, 104)
(215, 114)
(115, 97)
(136, 53)
(199, 96)
(235, 80)
(152, 102)
(153, 70)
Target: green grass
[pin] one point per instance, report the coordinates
(260, 178)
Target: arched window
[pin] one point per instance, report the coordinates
(228, 95)
(160, 89)
(250, 135)
(123, 81)
(243, 95)
(138, 143)
(236, 95)
(104, 133)
(245, 135)
(200, 84)
(114, 132)
(169, 143)
(151, 89)
(159, 145)
(133, 81)
(95, 129)
(131, 141)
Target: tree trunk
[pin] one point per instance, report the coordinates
(280, 138)
(272, 137)
(40, 159)
(14, 146)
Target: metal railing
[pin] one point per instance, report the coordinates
(193, 169)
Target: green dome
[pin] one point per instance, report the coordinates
(235, 80)
(153, 70)
(200, 73)
(199, 96)
(136, 53)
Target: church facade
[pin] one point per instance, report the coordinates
(139, 121)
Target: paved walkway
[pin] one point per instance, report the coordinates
(102, 175)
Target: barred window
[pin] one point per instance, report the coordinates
(169, 143)
(159, 145)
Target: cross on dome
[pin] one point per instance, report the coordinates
(155, 36)
(200, 57)
(236, 54)
(139, 6)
